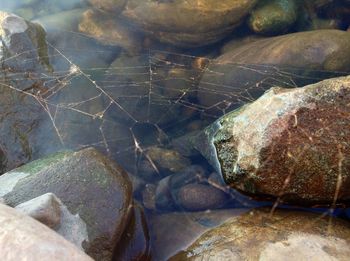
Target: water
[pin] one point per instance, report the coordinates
(139, 101)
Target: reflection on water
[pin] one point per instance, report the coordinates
(140, 97)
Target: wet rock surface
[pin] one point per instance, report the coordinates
(273, 16)
(292, 144)
(260, 235)
(22, 237)
(169, 21)
(291, 60)
(92, 188)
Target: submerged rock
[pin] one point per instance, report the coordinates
(110, 31)
(94, 190)
(176, 231)
(292, 144)
(187, 23)
(283, 235)
(291, 60)
(273, 16)
(114, 6)
(23, 238)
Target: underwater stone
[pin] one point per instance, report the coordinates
(273, 16)
(291, 144)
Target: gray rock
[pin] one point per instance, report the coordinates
(281, 235)
(23, 238)
(113, 6)
(45, 209)
(291, 144)
(95, 192)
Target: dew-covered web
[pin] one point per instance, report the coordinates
(139, 101)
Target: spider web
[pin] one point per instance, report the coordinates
(139, 101)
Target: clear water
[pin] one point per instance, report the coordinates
(125, 100)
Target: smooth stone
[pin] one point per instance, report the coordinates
(168, 159)
(290, 144)
(113, 6)
(199, 197)
(176, 231)
(89, 185)
(282, 235)
(187, 23)
(273, 16)
(246, 72)
(45, 209)
(109, 30)
(23, 238)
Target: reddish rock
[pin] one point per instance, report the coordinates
(291, 144)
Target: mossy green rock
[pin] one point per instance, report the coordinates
(88, 184)
(273, 16)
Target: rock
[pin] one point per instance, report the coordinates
(186, 23)
(23, 238)
(273, 16)
(25, 60)
(245, 73)
(198, 197)
(168, 187)
(176, 231)
(284, 235)
(113, 6)
(136, 240)
(149, 196)
(168, 159)
(291, 144)
(45, 209)
(110, 31)
(96, 193)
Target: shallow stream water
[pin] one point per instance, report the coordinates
(140, 102)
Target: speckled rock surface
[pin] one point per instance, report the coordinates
(92, 188)
(23, 238)
(285, 235)
(292, 144)
(114, 6)
(187, 23)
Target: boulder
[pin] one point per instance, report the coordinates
(187, 23)
(23, 238)
(265, 235)
(94, 191)
(291, 144)
(245, 72)
(23, 51)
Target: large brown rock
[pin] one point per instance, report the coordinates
(283, 235)
(23, 238)
(292, 144)
(95, 196)
(188, 23)
(246, 71)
